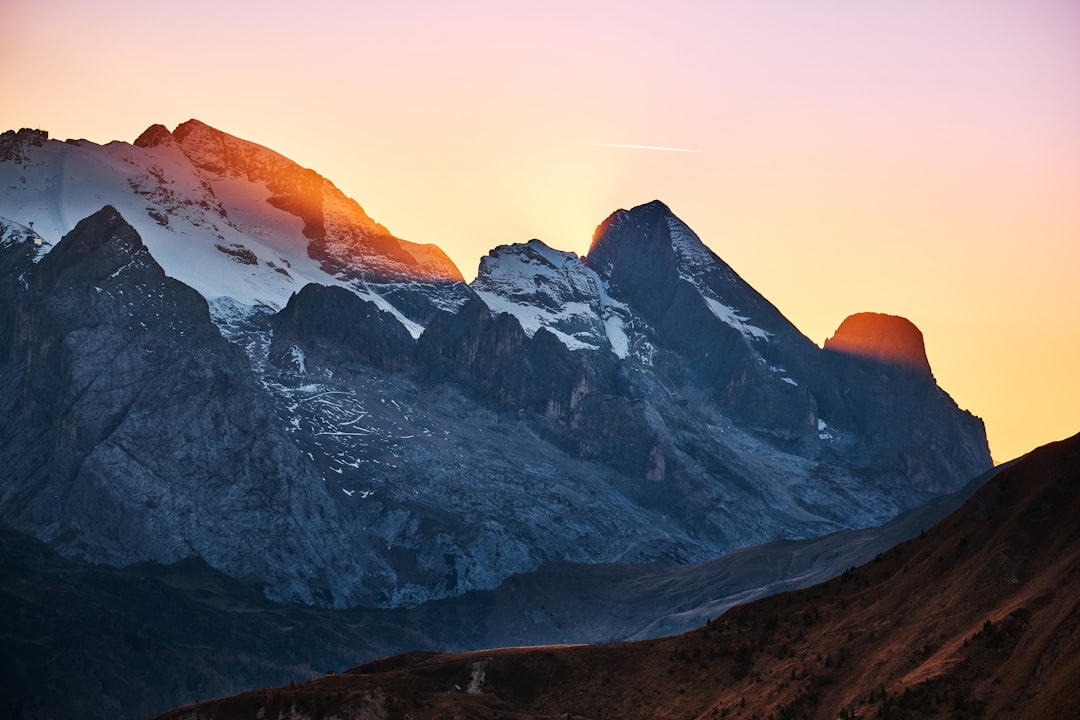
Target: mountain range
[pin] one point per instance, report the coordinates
(214, 361)
(211, 352)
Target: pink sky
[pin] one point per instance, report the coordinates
(916, 158)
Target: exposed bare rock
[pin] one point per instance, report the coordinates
(885, 338)
(13, 145)
(153, 136)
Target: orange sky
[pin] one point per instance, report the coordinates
(918, 158)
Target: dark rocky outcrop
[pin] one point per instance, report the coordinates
(908, 426)
(576, 398)
(13, 144)
(492, 354)
(331, 325)
(153, 136)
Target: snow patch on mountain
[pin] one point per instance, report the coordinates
(694, 258)
(616, 316)
(368, 292)
(337, 227)
(732, 317)
(180, 220)
(824, 431)
(533, 318)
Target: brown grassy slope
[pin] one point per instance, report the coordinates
(979, 617)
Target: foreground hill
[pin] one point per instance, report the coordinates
(977, 617)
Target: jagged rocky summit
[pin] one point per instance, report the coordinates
(228, 359)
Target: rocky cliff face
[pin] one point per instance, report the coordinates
(387, 435)
(332, 327)
(14, 145)
(134, 431)
(652, 359)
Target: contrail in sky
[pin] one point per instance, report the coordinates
(630, 147)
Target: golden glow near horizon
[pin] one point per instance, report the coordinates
(912, 158)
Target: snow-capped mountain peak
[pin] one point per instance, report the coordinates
(240, 223)
(343, 237)
(551, 289)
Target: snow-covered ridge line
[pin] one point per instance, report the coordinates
(339, 230)
(215, 230)
(210, 210)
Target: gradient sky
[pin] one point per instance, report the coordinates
(918, 157)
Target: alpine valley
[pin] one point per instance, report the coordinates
(224, 386)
